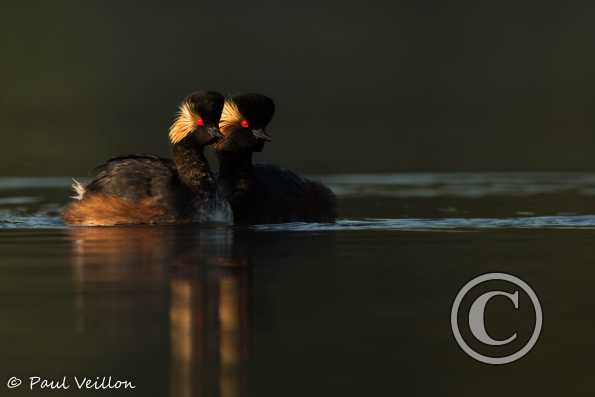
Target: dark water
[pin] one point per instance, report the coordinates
(361, 307)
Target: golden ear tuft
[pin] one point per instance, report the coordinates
(230, 116)
(183, 125)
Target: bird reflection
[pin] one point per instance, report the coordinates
(209, 317)
(208, 286)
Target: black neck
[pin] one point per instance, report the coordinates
(193, 167)
(236, 172)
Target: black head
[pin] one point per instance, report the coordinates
(206, 104)
(257, 109)
(198, 116)
(244, 121)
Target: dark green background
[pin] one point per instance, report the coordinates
(361, 87)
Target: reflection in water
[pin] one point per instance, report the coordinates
(208, 304)
(209, 331)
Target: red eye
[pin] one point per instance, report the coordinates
(199, 121)
(245, 124)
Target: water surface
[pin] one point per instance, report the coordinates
(360, 307)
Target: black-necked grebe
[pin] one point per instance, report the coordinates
(146, 189)
(263, 193)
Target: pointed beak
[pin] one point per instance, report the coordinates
(215, 133)
(261, 134)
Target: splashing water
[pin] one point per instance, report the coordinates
(216, 210)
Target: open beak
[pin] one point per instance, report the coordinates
(214, 133)
(261, 134)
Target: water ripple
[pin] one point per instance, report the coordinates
(24, 206)
(538, 222)
(34, 183)
(12, 220)
(469, 185)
